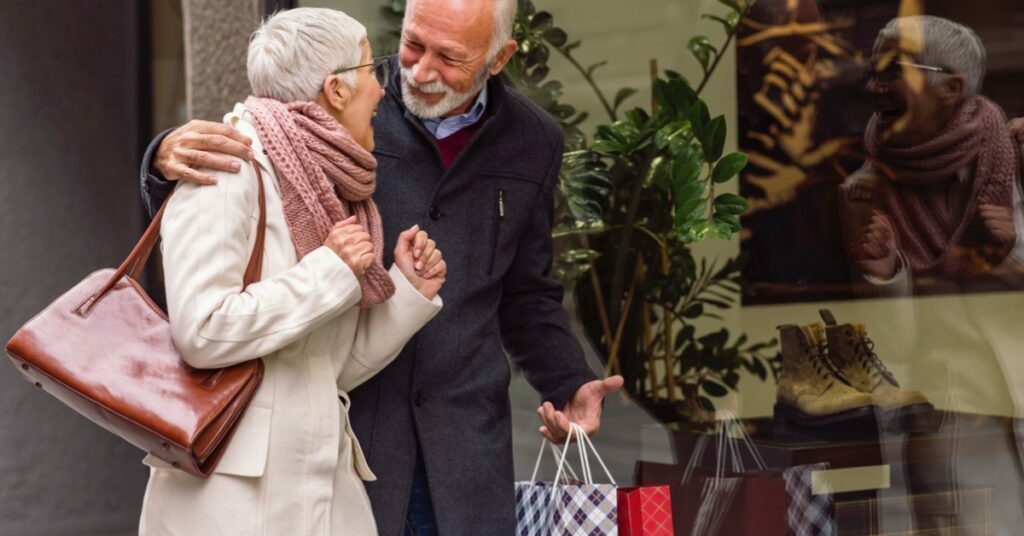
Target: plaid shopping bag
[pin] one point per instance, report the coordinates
(645, 511)
(578, 510)
(808, 514)
(533, 508)
(568, 507)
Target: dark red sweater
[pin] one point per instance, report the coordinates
(453, 145)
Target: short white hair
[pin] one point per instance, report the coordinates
(504, 22)
(293, 51)
(945, 44)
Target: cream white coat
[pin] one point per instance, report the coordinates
(294, 467)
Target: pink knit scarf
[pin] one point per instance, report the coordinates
(325, 176)
(920, 184)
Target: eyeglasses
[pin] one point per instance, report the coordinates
(380, 69)
(894, 71)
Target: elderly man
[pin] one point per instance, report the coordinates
(940, 195)
(475, 164)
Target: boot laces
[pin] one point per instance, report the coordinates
(822, 365)
(869, 359)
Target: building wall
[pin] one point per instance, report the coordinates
(69, 204)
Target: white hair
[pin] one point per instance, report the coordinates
(945, 44)
(293, 51)
(504, 22)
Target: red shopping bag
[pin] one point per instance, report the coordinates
(750, 503)
(645, 511)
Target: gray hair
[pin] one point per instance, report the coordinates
(293, 51)
(504, 22)
(944, 43)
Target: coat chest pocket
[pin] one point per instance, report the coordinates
(511, 201)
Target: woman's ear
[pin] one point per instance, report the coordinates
(336, 94)
(954, 88)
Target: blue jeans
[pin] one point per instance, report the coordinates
(420, 520)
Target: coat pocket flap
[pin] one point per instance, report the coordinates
(246, 455)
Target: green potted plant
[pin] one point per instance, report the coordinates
(634, 199)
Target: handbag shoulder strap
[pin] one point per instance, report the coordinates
(136, 260)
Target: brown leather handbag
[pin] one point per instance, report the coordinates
(104, 349)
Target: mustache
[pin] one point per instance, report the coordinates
(437, 86)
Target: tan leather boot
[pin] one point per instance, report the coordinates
(853, 353)
(813, 396)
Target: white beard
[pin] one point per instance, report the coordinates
(452, 99)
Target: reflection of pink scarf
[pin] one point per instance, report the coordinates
(325, 176)
(922, 183)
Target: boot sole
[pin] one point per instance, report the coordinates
(856, 422)
(913, 419)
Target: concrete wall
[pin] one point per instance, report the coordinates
(69, 204)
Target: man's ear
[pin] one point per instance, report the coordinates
(954, 88)
(336, 94)
(505, 54)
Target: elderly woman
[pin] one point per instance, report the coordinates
(325, 316)
(940, 195)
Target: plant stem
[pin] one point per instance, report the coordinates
(590, 80)
(647, 345)
(613, 356)
(721, 52)
(619, 272)
(602, 311)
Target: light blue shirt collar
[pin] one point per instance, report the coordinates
(442, 128)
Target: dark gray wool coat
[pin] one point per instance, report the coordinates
(447, 392)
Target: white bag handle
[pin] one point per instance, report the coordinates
(554, 453)
(725, 440)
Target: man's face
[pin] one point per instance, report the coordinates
(910, 110)
(443, 55)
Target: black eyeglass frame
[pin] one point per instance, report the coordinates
(380, 63)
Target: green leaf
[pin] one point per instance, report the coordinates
(622, 95)
(542, 21)
(686, 172)
(608, 147)
(730, 204)
(729, 167)
(714, 389)
(539, 74)
(715, 340)
(731, 379)
(688, 197)
(571, 46)
(701, 48)
(705, 403)
(699, 116)
(694, 311)
(665, 134)
(713, 140)
(556, 36)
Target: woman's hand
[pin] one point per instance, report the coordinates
(352, 243)
(420, 261)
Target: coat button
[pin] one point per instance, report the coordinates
(419, 400)
(435, 213)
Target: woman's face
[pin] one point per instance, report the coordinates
(360, 104)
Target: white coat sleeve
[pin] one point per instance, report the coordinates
(384, 330)
(208, 232)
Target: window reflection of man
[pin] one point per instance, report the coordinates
(940, 195)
